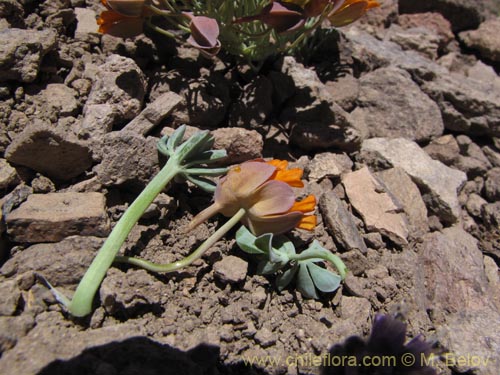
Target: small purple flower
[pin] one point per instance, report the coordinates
(384, 353)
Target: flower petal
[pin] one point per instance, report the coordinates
(308, 222)
(245, 178)
(291, 177)
(348, 13)
(308, 204)
(274, 197)
(115, 24)
(276, 224)
(129, 8)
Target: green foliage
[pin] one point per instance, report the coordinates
(277, 255)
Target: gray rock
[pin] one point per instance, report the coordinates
(355, 306)
(419, 39)
(381, 211)
(8, 175)
(240, 144)
(472, 161)
(484, 39)
(374, 53)
(445, 149)
(54, 216)
(492, 155)
(264, 337)
(318, 122)
(51, 151)
(11, 297)
(22, 52)
(12, 11)
(340, 222)
(492, 185)
(98, 119)
(484, 73)
(254, 105)
(12, 329)
(231, 269)
(63, 263)
(119, 82)
(85, 22)
(344, 91)
(118, 292)
(480, 352)
(42, 345)
(452, 268)
(467, 105)
(392, 105)
(491, 215)
(55, 100)
(440, 182)
(462, 14)
(328, 165)
(126, 158)
(154, 113)
(475, 205)
(407, 193)
(431, 21)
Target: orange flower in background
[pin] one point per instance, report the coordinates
(124, 18)
(350, 11)
(264, 191)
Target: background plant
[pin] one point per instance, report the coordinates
(251, 29)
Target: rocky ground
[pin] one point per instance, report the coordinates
(396, 121)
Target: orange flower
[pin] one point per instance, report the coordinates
(124, 18)
(350, 11)
(264, 191)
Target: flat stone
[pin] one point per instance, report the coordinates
(445, 149)
(56, 99)
(127, 158)
(375, 53)
(462, 14)
(231, 269)
(480, 352)
(440, 182)
(240, 144)
(8, 175)
(484, 39)
(431, 21)
(328, 165)
(344, 91)
(468, 106)
(492, 185)
(420, 39)
(380, 211)
(54, 216)
(154, 113)
(85, 22)
(62, 263)
(11, 297)
(118, 82)
(22, 51)
(452, 268)
(407, 193)
(340, 222)
(97, 120)
(55, 153)
(392, 105)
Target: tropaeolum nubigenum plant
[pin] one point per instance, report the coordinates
(251, 29)
(256, 193)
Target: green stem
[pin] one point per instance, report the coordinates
(313, 254)
(81, 304)
(170, 267)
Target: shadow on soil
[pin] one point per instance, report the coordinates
(142, 356)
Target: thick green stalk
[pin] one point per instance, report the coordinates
(170, 267)
(81, 304)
